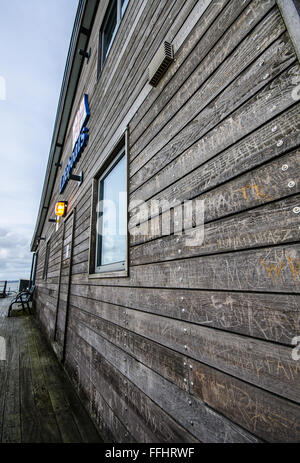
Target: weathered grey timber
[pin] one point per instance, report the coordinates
(196, 343)
(37, 401)
(290, 10)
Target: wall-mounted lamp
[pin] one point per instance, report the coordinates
(61, 208)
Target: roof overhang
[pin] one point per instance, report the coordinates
(84, 20)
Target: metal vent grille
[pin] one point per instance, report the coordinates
(160, 63)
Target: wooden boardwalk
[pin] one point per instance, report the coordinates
(37, 401)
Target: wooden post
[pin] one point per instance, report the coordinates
(290, 10)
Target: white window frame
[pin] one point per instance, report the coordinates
(117, 266)
(120, 14)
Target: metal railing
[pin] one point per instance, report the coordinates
(3, 288)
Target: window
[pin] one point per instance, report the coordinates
(109, 30)
(111, 221)
(45, 272)
(112, 19)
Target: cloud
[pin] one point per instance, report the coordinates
(15, 260)
(35, 36)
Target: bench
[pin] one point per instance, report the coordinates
(22, 298)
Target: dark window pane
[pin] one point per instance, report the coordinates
(109, 29)
(112, 239)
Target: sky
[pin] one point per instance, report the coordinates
(34, 42)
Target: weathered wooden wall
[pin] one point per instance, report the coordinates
(196, 344)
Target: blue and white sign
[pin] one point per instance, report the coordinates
(80, 140)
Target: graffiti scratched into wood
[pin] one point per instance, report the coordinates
(258, 191)
(275, 270)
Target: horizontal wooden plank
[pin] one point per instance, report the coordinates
(106, 419)
(256, 315)
(230, 38)
(137, 407)
(257, 148)
(199, 117)
(271, 418)
(118, 392)
(83, 223)
(185, 60)
(258, 362)
(80, 257)
(82, 237)
(48, 301)
(199, 420)
(268, 269)
(235, 399)
(257, 187)
(266, 104)
(268, 225)
(165, 362)
(82, 246)
(47, 306)
(53, 274)
(143, 419)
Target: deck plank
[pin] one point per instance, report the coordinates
(11, 431)
(74, 422)
(37, 401)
